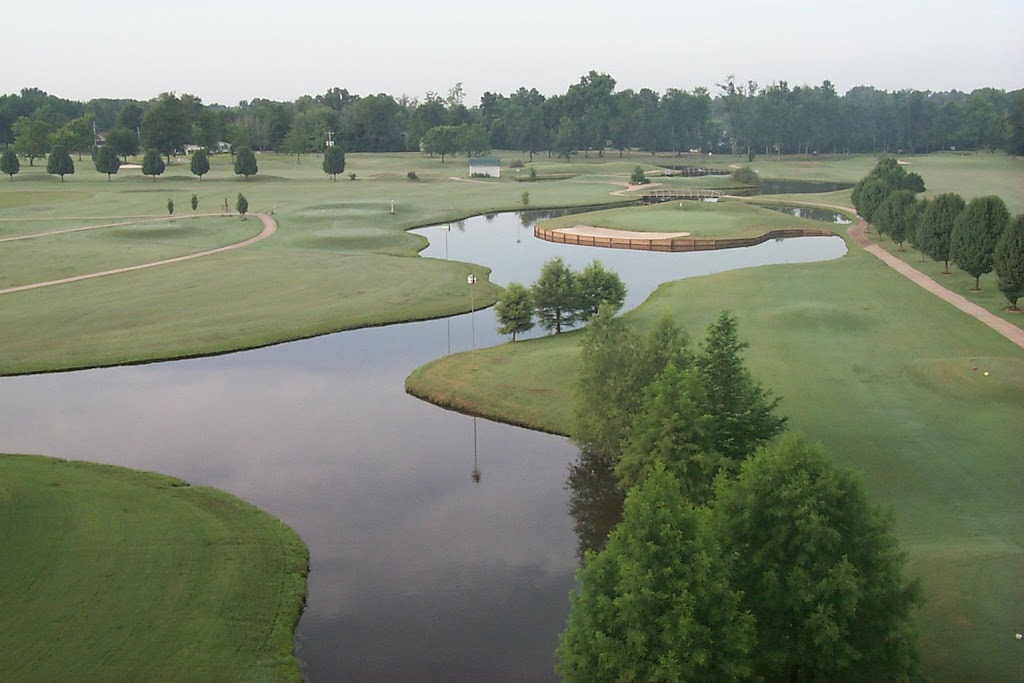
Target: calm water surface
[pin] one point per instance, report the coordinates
(417, 571)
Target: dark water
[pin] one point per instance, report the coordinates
(813, 214)
(417, 571)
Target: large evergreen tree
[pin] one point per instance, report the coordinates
(514, 310)
(334, 161)
(818, 568)
(1008, 261)
(937, 225)
(655, 604)
(975, 233)
(107, 161)
(9, 164)
(245, 162)
(60, 162)
(199, 165)
(743, 412)
(152, 163)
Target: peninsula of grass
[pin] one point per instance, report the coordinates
(707, 220)
(890, 378)
(119, 575)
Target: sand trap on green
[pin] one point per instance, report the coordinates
(118, 575)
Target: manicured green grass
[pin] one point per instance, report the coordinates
(890, 379)
(118, 575)
(339, 260)
(725, 219)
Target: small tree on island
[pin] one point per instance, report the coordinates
(60, 162)
(975, 234)
(9, 164)
(638, 177)
(107, 161)
(245, 162)
(200, 163)
(242, 205)
(555, 295)
(152, 163)
(1008, 261)
(514, 310)
(334, 161)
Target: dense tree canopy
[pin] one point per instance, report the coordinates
(656, 604)
(819, 570)
(514, 310)
(199, 164)
(123, 141)
(245, 162)
(975, 233)
(9, 164)
(152, 164)
(1008, 261)
(107, 161)
(59, 162)
(937, 226)
(31, 138)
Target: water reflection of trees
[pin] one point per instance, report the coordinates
(595, 504)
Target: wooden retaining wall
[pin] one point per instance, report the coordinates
(672, 244)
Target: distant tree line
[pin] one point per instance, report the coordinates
(591, 117)
(978, 236)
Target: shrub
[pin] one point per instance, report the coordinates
(411, 175)
(515, 163)
(746, 175)
(637, 177)
(351, 176)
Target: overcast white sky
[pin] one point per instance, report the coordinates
(229, 50)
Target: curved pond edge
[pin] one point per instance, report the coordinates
(674, 244)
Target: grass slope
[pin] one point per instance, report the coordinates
(891, 379)
(118, 575)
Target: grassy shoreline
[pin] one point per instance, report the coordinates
(117, 574)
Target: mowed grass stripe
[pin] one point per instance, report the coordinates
(118, 575)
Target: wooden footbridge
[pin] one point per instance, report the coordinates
(658, 196)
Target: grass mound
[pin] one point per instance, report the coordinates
(119, 575)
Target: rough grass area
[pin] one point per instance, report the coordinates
(891, 379)
(725, 219)
(117, 575)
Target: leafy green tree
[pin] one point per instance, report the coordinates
(895, 214)
(245, 162)
(598, 286)
(123, 141)
(975, 233)
(59, 162)
(672, 429)
(525, 199)
(334, 161)
(743, 412)
(556, 295)
(76, 135)
(165, 126)
(566, 140)
(514, 310)
(152, 163)
(868, 195)
(615, 366)
(107, 161)
(9, 163)
(242, 205)
(655, 604)
(638, 177)
(441, 140)
(474, 140)
(747, 176)
(31, 138)
(195, 203)
(820, 571)
(937, 226)
(1008, 261)
(199, 165)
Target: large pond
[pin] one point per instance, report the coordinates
(418, 572)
